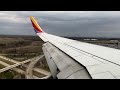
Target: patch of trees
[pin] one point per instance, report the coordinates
(25, 52)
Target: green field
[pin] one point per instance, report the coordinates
(8, 74)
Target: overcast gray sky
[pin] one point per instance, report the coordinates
(63, 23)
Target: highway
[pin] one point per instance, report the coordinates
(15, 69)
(11, 60)
(41, 71)
(14, 65)
(30, 68)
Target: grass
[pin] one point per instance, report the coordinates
(7, 74)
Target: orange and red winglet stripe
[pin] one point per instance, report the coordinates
(35, 25)
(37, 30)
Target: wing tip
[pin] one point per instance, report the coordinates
(35, 25)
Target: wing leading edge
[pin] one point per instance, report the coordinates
(101, 62)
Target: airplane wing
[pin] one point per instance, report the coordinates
(100, 62)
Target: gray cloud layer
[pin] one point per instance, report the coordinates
(63, 23)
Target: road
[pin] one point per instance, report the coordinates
(41, 71)
(29, 68)
(29, 74)
(15, 65)
(15, 69)
(11, 60)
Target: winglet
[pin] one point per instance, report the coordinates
(35, 25)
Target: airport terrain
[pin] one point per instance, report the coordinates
(15, 49)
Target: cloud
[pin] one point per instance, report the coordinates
(63, 23)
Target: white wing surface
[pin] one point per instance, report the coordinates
(101, 62)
